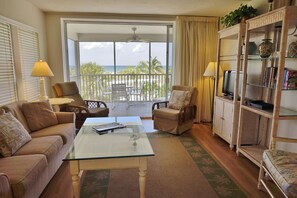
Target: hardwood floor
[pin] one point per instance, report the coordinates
(241, 169)
(238, 167)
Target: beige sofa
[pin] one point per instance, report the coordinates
(27, 172)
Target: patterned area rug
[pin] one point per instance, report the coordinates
(180, 168)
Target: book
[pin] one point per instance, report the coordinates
(290, 79)
(104, 128)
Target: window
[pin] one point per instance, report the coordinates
(7, 79)
(18, 53)
(97, 54)
(72, 58)
(131, 54)
(29, 54)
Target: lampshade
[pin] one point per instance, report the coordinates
(41, 69)
(210, 70)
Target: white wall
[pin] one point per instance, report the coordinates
(26, 13)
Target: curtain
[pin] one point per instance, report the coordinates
(196, 46)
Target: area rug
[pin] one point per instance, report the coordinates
(181, 168)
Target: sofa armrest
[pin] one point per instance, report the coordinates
(5, 190)
(65, 117)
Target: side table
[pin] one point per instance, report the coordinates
(56, 102)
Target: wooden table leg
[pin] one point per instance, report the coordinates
(142, 174)
(76, 186)
(75, 178)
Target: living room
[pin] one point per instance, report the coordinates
(153, 26)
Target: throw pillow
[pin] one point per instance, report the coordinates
(178, 99)
(12, 135)
(39, 115)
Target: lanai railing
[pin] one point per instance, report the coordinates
(98, 87)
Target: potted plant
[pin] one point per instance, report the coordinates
(236, 16)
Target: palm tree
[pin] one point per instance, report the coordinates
(89, 87)
(156, 67)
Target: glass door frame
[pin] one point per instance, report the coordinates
(168, 24)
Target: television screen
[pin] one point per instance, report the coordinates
(229, 82)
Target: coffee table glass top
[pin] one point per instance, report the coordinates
(130, 141)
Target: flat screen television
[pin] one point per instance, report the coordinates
(229, 83)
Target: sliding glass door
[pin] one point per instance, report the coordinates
(104, 59)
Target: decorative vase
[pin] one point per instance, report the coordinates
(292, 49)
(266, 48)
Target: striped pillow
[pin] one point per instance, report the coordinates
(12, 135)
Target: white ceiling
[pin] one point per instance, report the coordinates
(143, 7)
(160, 7)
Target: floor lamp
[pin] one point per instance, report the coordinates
(41, 70)
(211, 72)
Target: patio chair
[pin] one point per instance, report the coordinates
(82, 108)
(176, 115)
(104, 89)
(119, 94)
(278, 170)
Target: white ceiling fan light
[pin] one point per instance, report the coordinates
(135, 37)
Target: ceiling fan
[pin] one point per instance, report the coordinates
(135, 37)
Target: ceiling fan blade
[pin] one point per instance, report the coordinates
(136, 38)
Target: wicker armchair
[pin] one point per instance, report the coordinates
(176, 115)
(82, 108)
(278, 170)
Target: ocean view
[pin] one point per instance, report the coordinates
(110, 68)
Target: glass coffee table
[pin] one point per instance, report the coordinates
(126, 147)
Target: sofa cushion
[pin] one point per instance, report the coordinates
(283, 167)
(39, 115)
(15, 109)
(178, 99)
(12, 135)
(66, 131)
(49, 146)
(23, 171)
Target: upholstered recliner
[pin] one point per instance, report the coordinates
(279, 167)
(82, 108)
(176, 115)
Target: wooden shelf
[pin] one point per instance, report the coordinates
(225, 117)
(231, 32)
(284, 114)
(268, 20)
(253, 153)
(267, 26)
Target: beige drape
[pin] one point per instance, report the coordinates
(196, 45)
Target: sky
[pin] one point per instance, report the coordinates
(127, 53)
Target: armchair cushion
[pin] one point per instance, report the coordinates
(283, 167)
(69, 90)
(171, 114)
(77, 100)
(12, 135)
(179, 99)
(39, 115)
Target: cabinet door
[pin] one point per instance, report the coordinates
(227, 121)
(218, 114)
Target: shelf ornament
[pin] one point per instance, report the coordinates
(292, 50)
(266, 48)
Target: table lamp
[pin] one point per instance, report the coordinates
(41, 70)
